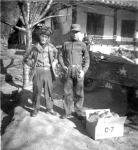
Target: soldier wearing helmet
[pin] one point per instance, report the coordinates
(41, 58)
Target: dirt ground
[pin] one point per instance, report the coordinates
(20, 131)
(47, 132)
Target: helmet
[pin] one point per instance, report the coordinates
(43, 30)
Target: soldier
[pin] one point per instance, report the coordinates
(74, 59)
(41, 59)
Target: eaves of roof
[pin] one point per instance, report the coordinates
(126, 4)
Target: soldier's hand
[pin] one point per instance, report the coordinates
(65, 69)
(54, 64)
(81, 74)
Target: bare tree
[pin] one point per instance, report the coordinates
(34, 12)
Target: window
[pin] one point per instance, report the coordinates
(95, 24)
(128, 28)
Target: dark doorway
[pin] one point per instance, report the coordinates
(16, 39)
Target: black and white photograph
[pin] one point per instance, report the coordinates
(69, 75)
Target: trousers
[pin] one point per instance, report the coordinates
(73, 92)
(42, 79)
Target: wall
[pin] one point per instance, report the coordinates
(62, 34)
(108, 24)
(108, 12)
(108, 27)
(82, 18)
(65, 21)
(48, 22)
(109, 18)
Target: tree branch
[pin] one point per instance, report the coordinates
(33, 10)
(12, 26)
(7, 23)
(28, 12)
(48, 18)
(20, 28)
(22, 11)
(46, 10)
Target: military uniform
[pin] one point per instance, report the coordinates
(74, 56)
(41, 59)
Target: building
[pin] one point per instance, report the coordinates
(108, 22)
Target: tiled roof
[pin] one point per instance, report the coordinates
(133, 4)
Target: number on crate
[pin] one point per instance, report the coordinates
(109, 129)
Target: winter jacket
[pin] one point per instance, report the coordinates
(74, 53)
(34, 58)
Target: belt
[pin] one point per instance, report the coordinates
(76, 66)
(43, 68)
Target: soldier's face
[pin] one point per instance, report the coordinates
(43, 39)
(75, 35)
